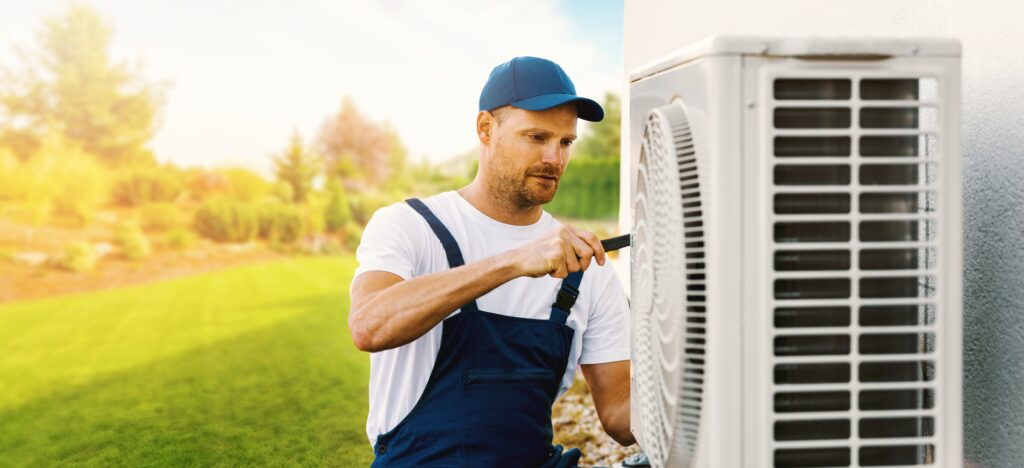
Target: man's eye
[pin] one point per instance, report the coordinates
(536, 138)
(566, 143)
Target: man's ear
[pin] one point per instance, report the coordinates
(485, 123)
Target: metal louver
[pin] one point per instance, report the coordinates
(854, 269)
(668, 276)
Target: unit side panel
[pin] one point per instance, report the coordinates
(724, 185)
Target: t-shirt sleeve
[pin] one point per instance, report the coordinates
(389, 242)
(606, 338)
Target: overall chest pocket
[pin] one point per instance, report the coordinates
(507, 414)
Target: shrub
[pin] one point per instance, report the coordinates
(337, 212)
(245, 185)
(160, 216)
(78, 256)
(224, 221)
(83, 187)
(282, 191)
(364, 204)
(58, 178)
(352, 234)
(180, 239)
(141, 186)
(204, 185)
(132, 242)
(280, 223)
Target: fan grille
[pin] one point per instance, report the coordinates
(854, 270)
(669, 287)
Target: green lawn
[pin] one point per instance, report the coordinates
(247, 366)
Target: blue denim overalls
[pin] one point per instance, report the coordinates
(488, 399)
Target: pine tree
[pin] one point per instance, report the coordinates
(297, 167)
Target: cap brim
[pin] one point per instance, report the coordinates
(586, 109)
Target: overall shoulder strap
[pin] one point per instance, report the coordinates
(567, 294)
(451, 248)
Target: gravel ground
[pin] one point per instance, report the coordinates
(576, 425)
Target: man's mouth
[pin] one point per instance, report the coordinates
(545, 176)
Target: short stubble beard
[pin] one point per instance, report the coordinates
(511, 189)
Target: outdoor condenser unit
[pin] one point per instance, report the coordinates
(796, 259)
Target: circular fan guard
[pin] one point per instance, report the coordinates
(668, 276)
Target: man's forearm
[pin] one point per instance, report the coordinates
(403, 312)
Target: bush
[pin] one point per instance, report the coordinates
(352, 234)
(337, 212)
(58, 178)
(78, 256)
(180, 239)
(589, 189)
(160, 216)
(364, 204)
(84, 186)
(245, 185)
(132, 241)
(224, 221)
(141, 186)
(282, 191)
(280, 223)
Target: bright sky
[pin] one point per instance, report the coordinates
(244, 74)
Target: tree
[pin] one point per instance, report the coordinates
(355, 147)
(603, 139)
(71, 84)
(297, 167)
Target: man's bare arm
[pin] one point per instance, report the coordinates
(609, 386)
(388, 312)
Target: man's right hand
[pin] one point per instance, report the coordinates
(566, 249)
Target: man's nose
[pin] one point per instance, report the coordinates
(552, 154)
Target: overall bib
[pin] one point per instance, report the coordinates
(488, 399)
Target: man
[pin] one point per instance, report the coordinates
(475, 305)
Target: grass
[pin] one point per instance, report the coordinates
(246, 366)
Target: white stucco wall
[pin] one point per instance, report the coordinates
(992, 32)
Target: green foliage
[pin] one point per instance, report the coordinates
(226, 221)
(204, 185)
(602, 140)
(365, 203)
(161, 216)
(589, 188)
(58, 178)
(140, 186)
(352, 234)
(297, 167)
(313, 216)
(337, 212)
(71, 85)
(78, 256)
(244, 185)
(180, 239)
(282, 191)
(280, 223)
(132, 242)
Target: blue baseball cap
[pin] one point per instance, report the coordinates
(533, 83)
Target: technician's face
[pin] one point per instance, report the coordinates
(529, 150)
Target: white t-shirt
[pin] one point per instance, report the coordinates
(398, 240)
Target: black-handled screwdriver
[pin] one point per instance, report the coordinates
(615, 243)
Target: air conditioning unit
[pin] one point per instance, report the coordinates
(796, 260)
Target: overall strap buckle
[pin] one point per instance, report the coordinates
(568, 292)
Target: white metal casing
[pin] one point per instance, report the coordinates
(726, 86)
